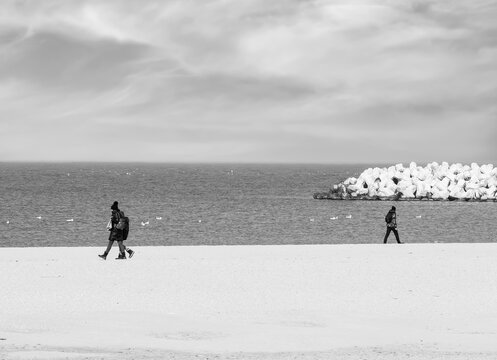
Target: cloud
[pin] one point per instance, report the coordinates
(54, 60)
(285, 79)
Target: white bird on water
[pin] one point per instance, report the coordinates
(38, 217)
(334, 218)
(348, 216)
(145, 223)
(70, 220)
(158, 218)
(8, 222)
(418, 216)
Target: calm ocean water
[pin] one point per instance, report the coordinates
(69, 205)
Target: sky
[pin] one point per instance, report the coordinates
(249, 81)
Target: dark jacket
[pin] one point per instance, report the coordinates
(115, 234)
(391, 219)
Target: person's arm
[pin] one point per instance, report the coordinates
(114, 219)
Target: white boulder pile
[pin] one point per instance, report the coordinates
(432, 182)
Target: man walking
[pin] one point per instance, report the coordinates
(391, 220)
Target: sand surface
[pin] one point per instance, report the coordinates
(410, 301)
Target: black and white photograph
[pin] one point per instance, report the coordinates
(248, 180)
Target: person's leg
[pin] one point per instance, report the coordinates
(129, 251)
(396, 233)
(109, 246)
(387, 234)
(122, 253)
(106, 252)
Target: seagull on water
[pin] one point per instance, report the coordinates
(348, 216)
(145, 223)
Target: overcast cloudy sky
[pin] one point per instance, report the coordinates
(248, 81)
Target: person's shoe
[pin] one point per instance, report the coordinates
(121, 257)
(130, 253)
(103, 256)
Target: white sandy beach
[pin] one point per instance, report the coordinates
(416, 301)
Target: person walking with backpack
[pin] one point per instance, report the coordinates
(391, 220)
(125, 233)
(118, 232)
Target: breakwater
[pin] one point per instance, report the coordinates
(442, 182)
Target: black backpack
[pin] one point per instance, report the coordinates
(123, 222)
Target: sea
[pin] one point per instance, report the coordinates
(68, 204)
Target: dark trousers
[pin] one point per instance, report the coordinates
(122, 248)
(396, 233)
